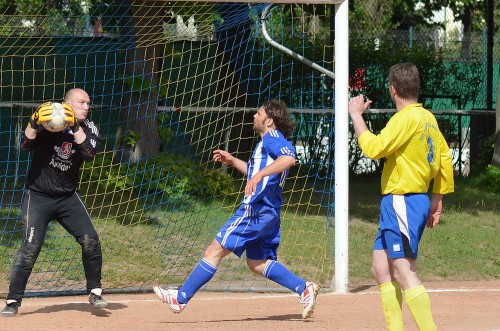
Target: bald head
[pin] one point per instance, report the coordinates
(71, 94)
(79, 100)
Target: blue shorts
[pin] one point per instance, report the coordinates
(254, 229)
(402, 223)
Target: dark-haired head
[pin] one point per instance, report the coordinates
(278, 112)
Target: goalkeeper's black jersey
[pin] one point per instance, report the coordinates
(57, 158)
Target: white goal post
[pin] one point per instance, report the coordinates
(341, 147)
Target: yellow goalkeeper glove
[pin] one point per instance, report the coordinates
(42, 114)
(70, 117)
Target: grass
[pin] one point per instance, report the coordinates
(464, 245)
(162, 246)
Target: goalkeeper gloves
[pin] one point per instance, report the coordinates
(70, 117)
(42, 114)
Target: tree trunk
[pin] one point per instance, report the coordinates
(139, 106)
(496, 152)
(467, 37)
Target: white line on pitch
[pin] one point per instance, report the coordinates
(31, 302)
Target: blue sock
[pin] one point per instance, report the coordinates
(200, 275)
(281, 275)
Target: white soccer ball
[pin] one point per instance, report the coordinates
(57, 123)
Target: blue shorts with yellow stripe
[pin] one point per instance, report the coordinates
(402, 222)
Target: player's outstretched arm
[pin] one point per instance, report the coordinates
(226, 158)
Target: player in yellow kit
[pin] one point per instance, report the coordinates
(416, 153)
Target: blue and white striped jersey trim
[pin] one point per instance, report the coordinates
(272, 146)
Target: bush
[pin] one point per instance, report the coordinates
(490, 178)
(178, 176)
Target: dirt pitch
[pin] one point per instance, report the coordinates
(464, 306)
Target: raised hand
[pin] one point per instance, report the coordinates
(42, 114)
(71, 117)
(223, 156)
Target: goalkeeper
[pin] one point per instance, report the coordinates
(255, 227)
(51, 194)
(416, 153)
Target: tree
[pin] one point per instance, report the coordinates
(142, 27)
(496, 153)
(471, 13)
(139, 138)
(371, 16)
(375, 17)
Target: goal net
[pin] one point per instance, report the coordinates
(169, 83)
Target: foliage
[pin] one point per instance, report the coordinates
(437, 77)
(382, 57)
(164, 131)
(358, 163)
(485, 153)
(56, 18)
(305, 31)
(312, 139)
(42, 7)
(381, 15)
(478, 7)
(131, 138)
(456, 81)
(65, 17)
(177, 176)
(461, 80)
(490, 178)
(137, 84)
(374, 18)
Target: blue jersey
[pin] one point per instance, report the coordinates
(255, 226)
(268, 191)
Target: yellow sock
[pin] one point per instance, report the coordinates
(419, 304)
(392, 301)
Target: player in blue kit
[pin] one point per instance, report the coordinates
(255, 227)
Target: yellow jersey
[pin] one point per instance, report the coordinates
(415, 151)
